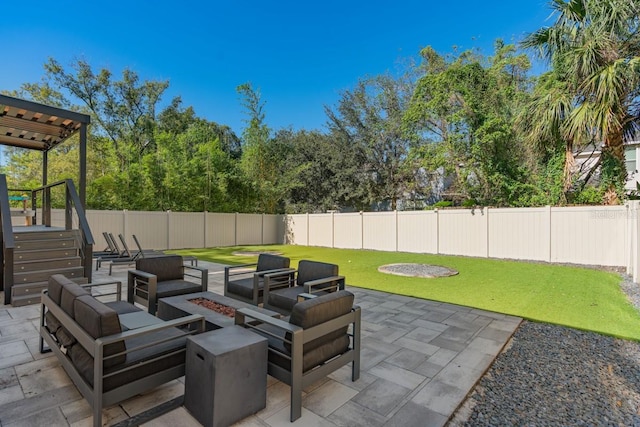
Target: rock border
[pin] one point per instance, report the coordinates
(426, 271)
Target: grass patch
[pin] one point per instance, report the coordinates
(571, 296)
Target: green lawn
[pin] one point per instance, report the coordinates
(576, 297)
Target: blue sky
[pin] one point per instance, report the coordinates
(300, 54)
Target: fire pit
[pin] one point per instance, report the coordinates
(217, 307)
(217, 310)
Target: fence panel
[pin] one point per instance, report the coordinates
(347, 230)
(296, 229)
(418, 232)
(186, 230)
(151, 228)
(273, 230)
(249, 229)
(463, 232)
(379, 231)
(520, 233)
(221, 230)
(320, 230)
(590, 235)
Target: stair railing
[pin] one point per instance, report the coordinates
(72, 202)
(6, 278)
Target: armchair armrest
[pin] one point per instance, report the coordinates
(243, 313)
(135, 276)
(326, 283)
(203, 276)
(117, 293)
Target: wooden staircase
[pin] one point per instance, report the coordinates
(40, 254)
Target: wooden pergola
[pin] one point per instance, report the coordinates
(35, 126)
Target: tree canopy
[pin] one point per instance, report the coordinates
(462, 128)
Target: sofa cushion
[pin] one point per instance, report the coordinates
(272, 262)
(71, 291)
(98, 320)
(147, 361)
(163, 267)
(314, 270)
(54, 288)
(122, 307)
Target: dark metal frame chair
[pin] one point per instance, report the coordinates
(282, 289)
(246, 282)
(163, 276)
(322, 335)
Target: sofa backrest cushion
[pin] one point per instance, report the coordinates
(168, 267)
(316, 311)
(70, 291)
(54, 288)
(268, 262)
(314, 270)
(99, 320)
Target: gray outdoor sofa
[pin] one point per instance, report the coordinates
(106, 361)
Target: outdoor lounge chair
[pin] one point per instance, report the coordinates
(248, 286)
(313, 343)
(161, 277)
(131, 258)
(282, 290)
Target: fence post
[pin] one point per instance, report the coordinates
(485, 212)
(262, 230)
(396, 218)
(169, 229)
(308, 228)
(235, 230)
(437, 213)
(125, 223)
(548, 233)
(205, 226)
(361, 230)
(333, 230)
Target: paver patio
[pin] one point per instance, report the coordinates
(419, 360)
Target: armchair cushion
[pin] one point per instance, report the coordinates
(243, 287)
(172, 288)
(313, 270)
(287, 298)
(163, 267)
(308, 314)
(268, 262)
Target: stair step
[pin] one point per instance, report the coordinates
(44, 254)
(37, 265)
(30, 245)
(42, 275)
(45, 235)
(31, 289)
(25, 300)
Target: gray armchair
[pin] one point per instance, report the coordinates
(161, 277)
(247, 286)
(322, 335)
(281, 291)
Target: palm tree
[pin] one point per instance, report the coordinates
(594, 49)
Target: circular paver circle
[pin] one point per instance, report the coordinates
(426, 271)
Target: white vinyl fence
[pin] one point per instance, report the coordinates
(592, 235)
(587, 235)
(181, 230)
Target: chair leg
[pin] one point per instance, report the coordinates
(296, 398)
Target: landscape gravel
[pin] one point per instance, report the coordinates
(552, 375)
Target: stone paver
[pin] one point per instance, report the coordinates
(419, 359)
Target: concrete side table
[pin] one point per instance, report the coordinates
(225, 375)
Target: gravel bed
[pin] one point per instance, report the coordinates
(553, 375)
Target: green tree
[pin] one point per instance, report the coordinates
(123, 110)
(462, 111)
(369, 118)
(594, 47)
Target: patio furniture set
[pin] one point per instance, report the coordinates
(297, 325)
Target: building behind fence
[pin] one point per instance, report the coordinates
(592, 235)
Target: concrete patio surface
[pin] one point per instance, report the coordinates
(419, 361)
